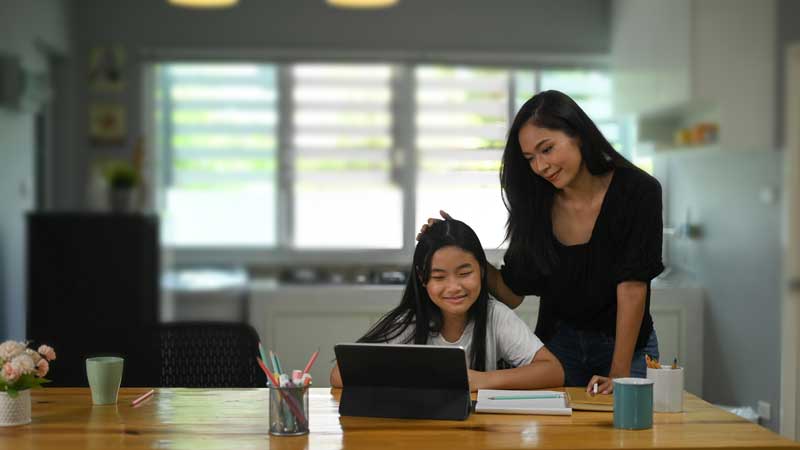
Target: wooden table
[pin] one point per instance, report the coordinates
(63, 418)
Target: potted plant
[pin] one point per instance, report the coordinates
(122, 179)
(21, 369)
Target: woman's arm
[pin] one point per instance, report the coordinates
(336, 377)
(544, 371)
(631, 297)
(499, 289)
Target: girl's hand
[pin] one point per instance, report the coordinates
(431, 221)
(477, 380)
(605, 385)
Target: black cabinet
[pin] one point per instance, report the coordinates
(93, 289)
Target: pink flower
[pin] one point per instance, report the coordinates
(34, 356)
(10, 349)
(11, 372)
(42, 368)
(23, 364)
(47, 352)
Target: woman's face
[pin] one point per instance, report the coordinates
(455, 280)
(552, 154)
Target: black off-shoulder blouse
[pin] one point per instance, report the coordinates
(625, 245)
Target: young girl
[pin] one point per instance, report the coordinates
(446, 302)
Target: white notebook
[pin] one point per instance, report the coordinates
(547, 402)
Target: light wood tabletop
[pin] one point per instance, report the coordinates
(64, 419)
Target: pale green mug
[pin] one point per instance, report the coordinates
(105, 376)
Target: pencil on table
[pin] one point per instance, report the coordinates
(143, 397)
(526, 397)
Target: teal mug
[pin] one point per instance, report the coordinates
(105, 376)
(633, 403)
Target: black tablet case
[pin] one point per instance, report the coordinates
(403, 381)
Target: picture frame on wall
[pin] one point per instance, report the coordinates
(106, 69)
(107, 125)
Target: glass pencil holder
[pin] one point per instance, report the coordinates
(288, 411)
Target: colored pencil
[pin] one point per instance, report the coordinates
(276, 363)
(261, 352)
(525, 397)
(311, 361)
(143, 397)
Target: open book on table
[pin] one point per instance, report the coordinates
(522, 402)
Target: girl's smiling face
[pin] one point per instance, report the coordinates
(455, 281)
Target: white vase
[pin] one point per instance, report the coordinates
(122, 200)
(15, 410)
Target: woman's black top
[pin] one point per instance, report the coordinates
(625, 245)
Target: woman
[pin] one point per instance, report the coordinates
(584, 231)
(446, 302)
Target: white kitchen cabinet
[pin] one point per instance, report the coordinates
(678, 62)
(297, 320)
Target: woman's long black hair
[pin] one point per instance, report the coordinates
(416, 308)
(529, 197)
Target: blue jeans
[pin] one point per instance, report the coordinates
(587, 353)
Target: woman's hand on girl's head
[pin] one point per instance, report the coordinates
(431, 221)
(605, 385)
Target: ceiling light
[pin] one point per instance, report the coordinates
(362, 4)
(204, 4)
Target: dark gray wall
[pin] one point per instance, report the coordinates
(31, 30)
(507, 25)
(738, 261)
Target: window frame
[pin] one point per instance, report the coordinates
(403, 134)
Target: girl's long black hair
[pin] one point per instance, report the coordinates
(416, 308)
(529, 197)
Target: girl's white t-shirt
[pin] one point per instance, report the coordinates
(507, 338)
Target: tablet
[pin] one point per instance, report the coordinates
(403, 381)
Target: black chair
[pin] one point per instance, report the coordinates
(209, 354)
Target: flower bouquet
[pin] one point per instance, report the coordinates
(21, 369)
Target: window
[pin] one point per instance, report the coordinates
(342, 144)
(216, 126)
(591, 90)
(462, 119)
(301, 157)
